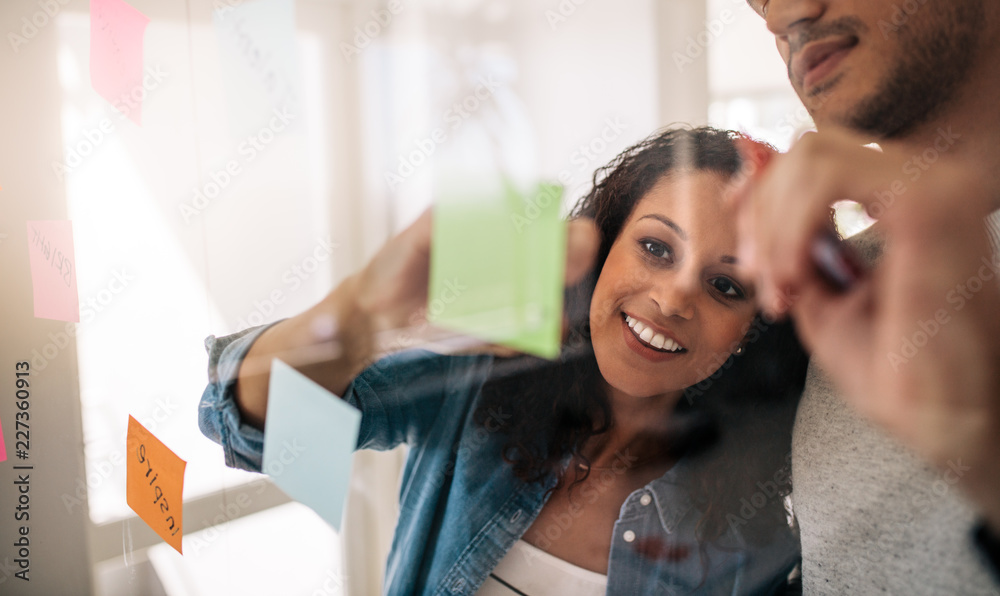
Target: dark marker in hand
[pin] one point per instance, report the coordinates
(836, 262)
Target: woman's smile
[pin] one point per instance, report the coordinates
(672, 303)
(650, 343)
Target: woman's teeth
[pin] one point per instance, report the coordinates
(647, 335)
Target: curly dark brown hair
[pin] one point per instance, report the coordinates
(738, 420)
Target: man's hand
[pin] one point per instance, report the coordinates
(915, 346)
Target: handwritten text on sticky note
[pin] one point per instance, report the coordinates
(53, 270)
(116, 33)
(155, 484)
(260, 66)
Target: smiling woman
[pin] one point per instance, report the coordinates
(670, 276)
(669, 309)
(603, 468)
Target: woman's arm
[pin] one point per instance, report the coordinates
(332, 342)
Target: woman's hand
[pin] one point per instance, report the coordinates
(392, 288)
(378, 310)
(391, 291)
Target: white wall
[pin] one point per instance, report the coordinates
(574, 92)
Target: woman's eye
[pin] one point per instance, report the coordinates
(658, 250)
(728, 288)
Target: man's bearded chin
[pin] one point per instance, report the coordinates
(936, 55)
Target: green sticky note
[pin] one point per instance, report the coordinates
(497, 263)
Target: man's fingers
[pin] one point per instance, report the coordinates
(790, 207)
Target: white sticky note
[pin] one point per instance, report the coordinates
(309, 438)
(259, 57)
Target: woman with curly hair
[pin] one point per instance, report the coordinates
(650, 458)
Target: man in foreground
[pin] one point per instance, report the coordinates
(896, 454)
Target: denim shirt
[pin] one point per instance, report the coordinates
(461, 507)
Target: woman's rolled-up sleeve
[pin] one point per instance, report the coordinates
(399, 396)
(218, 415)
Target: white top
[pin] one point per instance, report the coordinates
(527, 570)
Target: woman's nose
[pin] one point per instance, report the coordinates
(675, 295)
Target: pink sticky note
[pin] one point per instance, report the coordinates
(53, 270)
(3, 446)
(116, 31)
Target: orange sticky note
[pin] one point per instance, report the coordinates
(116, 32)
(53, 270)
(155, 484)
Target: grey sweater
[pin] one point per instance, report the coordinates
(874, 518)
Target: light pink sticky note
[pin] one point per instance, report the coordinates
(3, 447)
(53, 270)
(116, 31)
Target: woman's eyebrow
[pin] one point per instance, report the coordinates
(728, 260)
(667, 222)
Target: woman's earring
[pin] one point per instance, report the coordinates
(739, 350)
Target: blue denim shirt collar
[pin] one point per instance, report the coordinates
(671, 498)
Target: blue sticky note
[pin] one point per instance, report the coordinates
(309, 438)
